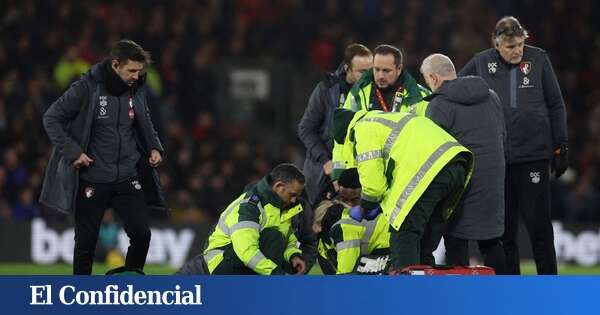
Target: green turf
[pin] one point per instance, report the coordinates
(563, 269)
(66, 269)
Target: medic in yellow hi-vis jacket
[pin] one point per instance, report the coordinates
(388, 87)
(254, 234)
(412, 170)
(354, 239)
(342, 240)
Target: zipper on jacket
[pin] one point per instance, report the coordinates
(119, 139)
(512, 105)
(513, 87)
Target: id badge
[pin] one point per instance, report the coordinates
(397, 100)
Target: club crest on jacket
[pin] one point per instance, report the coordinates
(525, 67)
(89, 192)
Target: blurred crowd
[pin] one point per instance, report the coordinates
(48, 44)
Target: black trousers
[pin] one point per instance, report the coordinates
(422, 229)
(127, 199)
(457, 252)
(527, 194)
(271, 243)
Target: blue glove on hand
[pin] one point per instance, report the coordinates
(357, 213)
(373, 213)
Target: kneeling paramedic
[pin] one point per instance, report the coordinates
(411, 170)
(253, 235)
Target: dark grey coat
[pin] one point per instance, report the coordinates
(533, 105)
(314, 130)
(471, 112)
(68, 123)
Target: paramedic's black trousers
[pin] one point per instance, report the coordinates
(423, 227)
(271, 243)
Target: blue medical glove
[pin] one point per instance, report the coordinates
(357, 213)
(373, 213)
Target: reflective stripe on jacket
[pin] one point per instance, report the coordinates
(360, 98)
(353, 239)
(240, 226)
(398, 155)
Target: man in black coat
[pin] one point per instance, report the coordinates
(315, 127)
(537, 142)
(105, 151)
(314, 130)
(471, 112)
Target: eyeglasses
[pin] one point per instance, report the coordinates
(510, 31)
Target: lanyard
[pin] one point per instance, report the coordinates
(397, 99)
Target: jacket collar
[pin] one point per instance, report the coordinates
(496, 55)
(501, 60)
(336, 77)
(269, 197)
(103, 72)
(409, 82)
(339, 72)
(290, 212)
(411, 86)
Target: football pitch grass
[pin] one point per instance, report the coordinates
(67, 269)
(527, 268)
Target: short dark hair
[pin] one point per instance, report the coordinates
(354, 50)
(510, 27)
(127, 49)
(350, 179)
(389, 50)
(287, 173)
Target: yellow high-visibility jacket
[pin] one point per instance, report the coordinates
(240, 226)
(354, 239)
(398, 155)
(360, 98)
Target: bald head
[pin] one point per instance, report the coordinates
(438, 64)
(437, 68)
